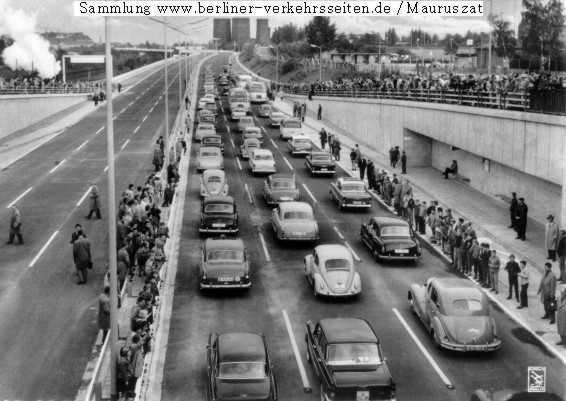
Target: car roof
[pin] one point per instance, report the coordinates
(246, 118)
(299, 136)
(209, 125)
(226, 243)
(457, 288)
(210, 149)
(256, 141)
(336, 250)
(263, 152)
(218, 199)
(213, 173)
(347, 330)
(295, 206)
(241, 347)
(285, 177)
(390, 221)
(252, 129)
(344, 180)
(275, 112)
(320, 154)
(216, 136)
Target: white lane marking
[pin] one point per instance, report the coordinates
(125, 143)
(57, 166)
(264, 131)
(156, 103)
(274, 144)
(131, 103)
(137, 128)
(83, 198)
(43, 249)
(423, 350)
(150, 110)
(19, 197)
(123, 110)
(250, 199)
(231, 140)
(225, 118)
(83, 144)
(338, 232)
(145, 118)
(306, 385)
(254, 117)
(115, 118)
(106, 169)
(264, 246)
(239, 165)
(354, 254)
(288, 164)
(310, 194)
(98, 131)
(137, 98)
(228, 128)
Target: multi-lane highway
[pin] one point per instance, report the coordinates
(48, 323)
(281, 300)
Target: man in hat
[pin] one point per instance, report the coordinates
(521, 218)
(551, 237)
(561, 318)
(547, 291)
(513, 209)
(561, 253)
(403, 163)
(395, 157)
(81, 256)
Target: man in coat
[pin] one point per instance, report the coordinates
(319, 113)
(362, 165)
(158, 157)
(547, 291)
(15, 226)
(323, 138)
(561, 253)
(551, 237)
(561, 318)
(521, 213)
(397, 198)
(513, 209)
(81, 256)
(104, 312)
(94, 201)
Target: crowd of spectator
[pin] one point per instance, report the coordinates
(32, 85)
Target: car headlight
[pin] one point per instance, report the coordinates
(237, 279)
(356, 286)
(321, 286)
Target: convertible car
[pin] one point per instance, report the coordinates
(218, 215)
(350, 192)
(320, 163)
(239, 368)
(346, 356)
(331, 272)
(247, 145)
(280, 188)
(213, 183)
(294, 221)
(209, 158)
(261, 161)
(224, 263)
(390, 238)
(456, 314)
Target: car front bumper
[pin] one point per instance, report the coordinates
(398, 257)
(471, 347)
(227, 285)
(217, 230)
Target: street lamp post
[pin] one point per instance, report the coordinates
(490, 29)
(276, 64)
(319, 62)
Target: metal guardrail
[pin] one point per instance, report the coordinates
(548, 101)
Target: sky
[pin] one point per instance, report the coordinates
(57, 15)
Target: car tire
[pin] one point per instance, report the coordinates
(375, 255)
(308, 356)
(435, 340)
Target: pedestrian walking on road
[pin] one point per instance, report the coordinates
(15, 226)
(403, 163)
(561, 318)
(561, 253)
(524, 280)
(551, 237)
(104, 312)
(187, 102)
(94, 202)
(494, 265)
(521, 213)
(337, 147)
(513, 210)
(319, 113)
(119, 88)
(82, 257)
(547, 291)
(323, 138)
(513, 271)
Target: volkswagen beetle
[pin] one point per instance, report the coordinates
(213, 183)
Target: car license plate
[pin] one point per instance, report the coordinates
(358, 202)
(323, 169)
(401, 251)
(299, 233)
(285, 198)
(225, 278)
(218, 225)
(474, 347)
(362, 395)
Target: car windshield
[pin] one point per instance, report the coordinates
(219, 208)
(467, 307)
(292, 124)
(214, 179)
(337, 264)
(353, 187)
(239, 111)
(321, 158)
(297, 215)
(395, 231)
(277, 115)
(246, 120)
(353, 354)
(283, 184)
(242, 370)
(257, 88)
(301, 140)
(210, 153)
(266, 108)
(205, 128)
(212, 140)
(263, 157)
(224, 254)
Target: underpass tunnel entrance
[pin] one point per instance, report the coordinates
(419, 147)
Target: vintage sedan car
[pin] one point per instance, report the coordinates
(211, 92)
(225, 90)
(280, 188)
(244, 122)
(320, 163)
(209, 158)
(456, 314)
(247, 145)
(350, 192)
(202, 101)
(390, 238)
(331, 272)
(204, 129)
(207, 116)
(513, 395)
(214, 141)
(218, 215)
(264, 110)
(299, 145)
(209, 96)
(275, 118)
(262, 161)
(239, 368)
(209, 105)
(290, 126)
(347, 359)
(237, 113)
(213, 183)
(294, 221)
(252, 132)
(224, 263)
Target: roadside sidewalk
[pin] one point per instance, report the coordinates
(488, 216)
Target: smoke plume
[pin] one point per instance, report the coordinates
(29, 50)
